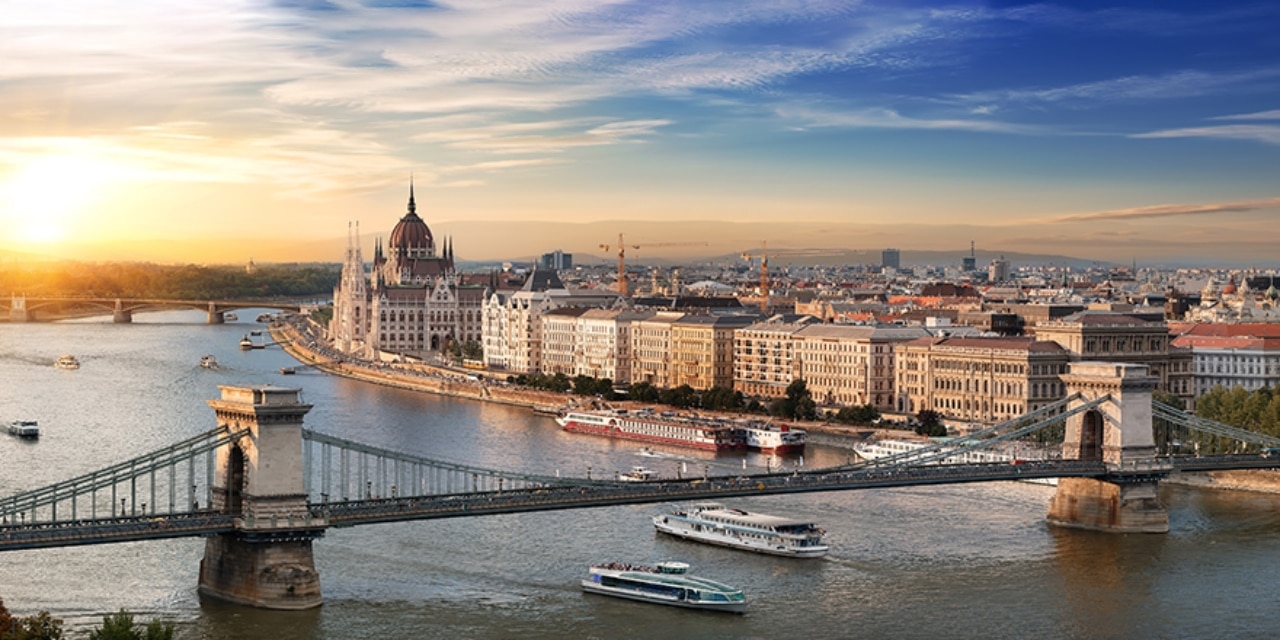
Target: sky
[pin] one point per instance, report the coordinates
(224, 130)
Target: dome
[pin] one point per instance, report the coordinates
(1230, 289)
(411, 234)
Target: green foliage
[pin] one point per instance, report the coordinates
(322, 316)
(863, 414)
(1258, 411)
(722, 399)
(41, 626)
(798, 404)
(146, 280)
(643, 392)
(1160, 395)
(471, 350)
(930, 424)
(682, 396)
(6, 620)
(120, 626)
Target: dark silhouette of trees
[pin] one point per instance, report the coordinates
(120, 626)
(797, 404)
(929, 423)
(146, 280)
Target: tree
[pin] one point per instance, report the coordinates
(862, 414)
(120, 626)
(41, 626)
(6, 620)
(682, 396)
(643, 392)
(798, 403)
(930, 424)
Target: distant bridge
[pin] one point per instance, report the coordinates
(32, 308)
(261, 488)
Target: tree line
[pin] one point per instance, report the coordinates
(117, 626)
(147, 280)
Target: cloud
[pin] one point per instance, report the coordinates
(891, 119)
(1266, 133)
(1172, 210)
(1180, 84)
(1273, 114)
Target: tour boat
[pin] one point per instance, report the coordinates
(208, 362)
(875, 450)
(649, 426)
(24, 429)
(638, 474)
(774, 438)
(245, 343)
(67, 362)
(713, 523)
(668, 583)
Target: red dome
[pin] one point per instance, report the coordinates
(411, 233)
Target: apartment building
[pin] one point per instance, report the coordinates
(764, 361)
(651, 349)
(604, 343)
(701, 353)
(977, 379)
(848, 365)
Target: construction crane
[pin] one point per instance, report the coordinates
(622, 256)
(764, 274)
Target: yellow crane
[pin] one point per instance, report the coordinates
(622, 256)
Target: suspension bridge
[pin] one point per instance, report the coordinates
(261, 488)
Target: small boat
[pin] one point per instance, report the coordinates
(264, 318)
(67, 362)
(256, 332)
(208, 362)
(288, 371)
(245, 343)
(778, 439)
(713, 523)
(668, 583)
(230, 317)
(638, 474)
(29, 429)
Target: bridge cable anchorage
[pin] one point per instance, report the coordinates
(130, 471)
(982, 439)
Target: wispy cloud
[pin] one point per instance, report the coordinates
(1180, 84)
(891, 119)
(1267, 133)
(1172, 210)
(1273, 114)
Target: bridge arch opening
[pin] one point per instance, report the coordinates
(1091, 436)
(235, 481)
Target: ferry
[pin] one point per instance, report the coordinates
(713, 523)
(208, 362)
(647, 425)
(25, 429)
(67, 362)
(779, 439)
(638, 474)
(668, 583)
(884, 448)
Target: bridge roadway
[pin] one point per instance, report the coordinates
(590, 494)
(123, 308)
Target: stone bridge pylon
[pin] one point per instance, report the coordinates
(267, 561)
(1118, 433)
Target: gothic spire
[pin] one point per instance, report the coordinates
(413, 208)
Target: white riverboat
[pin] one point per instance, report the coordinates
(638, 474)
(29, 429)
(647, 425)
(668, 583)
(774, 438)
(67, 362)
(713, 523)
(874, 450)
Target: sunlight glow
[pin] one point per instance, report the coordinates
(43, 200)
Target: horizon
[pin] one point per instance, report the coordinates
(1133, 130)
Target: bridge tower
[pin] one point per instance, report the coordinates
(267, 561)
(1118, 433)
(215, 316)
(18, 310)
(121, 315)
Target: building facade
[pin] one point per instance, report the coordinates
(411, 303)
(702, 350)
(1108, 336)
(979, 380)
(850, 365)
(764, 360)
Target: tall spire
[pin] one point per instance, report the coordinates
(413, 208)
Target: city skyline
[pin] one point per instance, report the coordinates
(1134, 130)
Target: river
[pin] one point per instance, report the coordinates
(974, 561)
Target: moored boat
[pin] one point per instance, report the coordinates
(638, 474)
(904, 451)
(774, 438)
(67, 362)
(230, 317)
(264, 318)
(245, 343)
(208, 362)
(647, 425)
(713, 523)
(25, 429)
(668, 583)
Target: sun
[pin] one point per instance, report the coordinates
(42, 200)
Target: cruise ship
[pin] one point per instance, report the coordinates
(780, 439)
(713, 523)
(646, 425)
(668, 583)
(874, 450)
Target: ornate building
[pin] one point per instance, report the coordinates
(411, 303)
